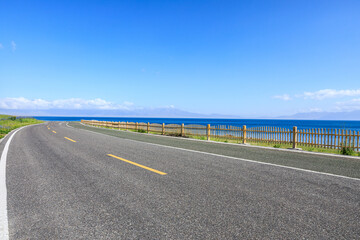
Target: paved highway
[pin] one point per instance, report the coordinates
(70, 183)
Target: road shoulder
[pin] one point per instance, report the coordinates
(344, 166)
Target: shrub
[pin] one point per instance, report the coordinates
(174, 134)
(141, 131)
(277, 146)
(346, 151)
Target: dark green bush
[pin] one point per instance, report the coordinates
(346, 151)
(174, 134)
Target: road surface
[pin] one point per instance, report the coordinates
(70, 183)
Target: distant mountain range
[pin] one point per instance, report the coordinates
(171, 113)
(354, 115)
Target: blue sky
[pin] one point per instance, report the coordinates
(244, 58)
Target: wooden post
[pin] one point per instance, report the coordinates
(126, 125)
(208, 132)
(163, 129)
(148, 127)
(244, 134)
(294, 136)
(182, 130)
(136, 126)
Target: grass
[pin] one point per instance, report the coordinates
(9, 123)
(343, 151)
(283, 145)
(2, 116)
(310, 149)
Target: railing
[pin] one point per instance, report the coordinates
(317, 138)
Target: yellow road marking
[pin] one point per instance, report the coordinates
(139, 165)
(53, 131)
(69, 139)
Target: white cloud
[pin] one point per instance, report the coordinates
(13, 45)
(71, 103)
(351, 105)
(322, 94)
(315, 109)
(285, 97)
(126, 103)
(330, 93)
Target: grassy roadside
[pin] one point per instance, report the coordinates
(9, 123)
(236, 141)
(283, 145)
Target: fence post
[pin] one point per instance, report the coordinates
(244, 134)
(126, 125)
(182, 130)
(148, 127)
(208, 132)
(294, 136)
(136, 126)
(163, 129)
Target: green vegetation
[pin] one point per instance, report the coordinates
(282, 145)
(9, 123)
(2, 116)
(347, 151)
(198, 137)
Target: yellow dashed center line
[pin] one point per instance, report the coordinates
(69, 139)
(53, 131)
(139, 165)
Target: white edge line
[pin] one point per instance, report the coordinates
(4, 231)
(241, 159)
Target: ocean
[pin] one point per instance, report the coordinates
(301, 124)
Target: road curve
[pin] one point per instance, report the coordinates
(66, 183)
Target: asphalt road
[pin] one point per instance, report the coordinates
(71, 188)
